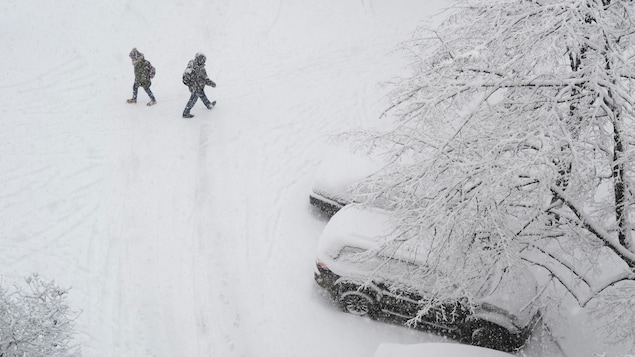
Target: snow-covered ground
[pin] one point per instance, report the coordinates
(188, 237)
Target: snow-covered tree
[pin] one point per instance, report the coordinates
(515, 141)
(36, 321)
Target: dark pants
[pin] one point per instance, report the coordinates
(135, 88)
(193, 98)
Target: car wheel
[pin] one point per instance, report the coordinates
(487, 334)
(357, 303)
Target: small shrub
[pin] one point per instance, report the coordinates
(36, 321)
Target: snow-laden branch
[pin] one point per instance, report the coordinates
(595, 229)
(517, 127)
(563, 280)
(606, 283)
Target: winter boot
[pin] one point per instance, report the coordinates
(211, 105)
(131, 100)
(151, 103)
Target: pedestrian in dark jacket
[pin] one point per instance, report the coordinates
(143, 74)
(195, 77)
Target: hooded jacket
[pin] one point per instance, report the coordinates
(142, 71)
(195, 75)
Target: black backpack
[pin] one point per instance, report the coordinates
(151, 70)
(188, 74)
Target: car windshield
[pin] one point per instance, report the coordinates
(395, 273)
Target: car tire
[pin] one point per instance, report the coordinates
(357, 303)
(490, 335)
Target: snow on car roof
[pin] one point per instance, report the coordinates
(341, 169)
(367, 228)
(352, 226)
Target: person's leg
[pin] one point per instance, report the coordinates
(206, 101)
(190, 105)
(135, 88)
(152, 100)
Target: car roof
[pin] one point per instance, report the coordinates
(369, 228)
(341, 169)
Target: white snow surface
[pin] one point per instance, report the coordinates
(188, 237)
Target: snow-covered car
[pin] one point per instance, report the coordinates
(435, 350)
(338, 174)
(366, 278)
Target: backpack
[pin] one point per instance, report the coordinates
(188, 74)
(151, 70)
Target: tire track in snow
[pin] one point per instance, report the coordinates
(217, 296)
(156, 252)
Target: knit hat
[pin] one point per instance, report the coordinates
(134, 54)
(200, 58)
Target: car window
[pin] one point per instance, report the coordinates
(396, 274)
(347, 253)
(362, 259)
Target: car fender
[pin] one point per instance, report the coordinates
(343, 285)
(495, 318)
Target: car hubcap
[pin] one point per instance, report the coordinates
(356, 305)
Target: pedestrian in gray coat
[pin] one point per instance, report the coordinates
(195, 78)
(143, 74)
